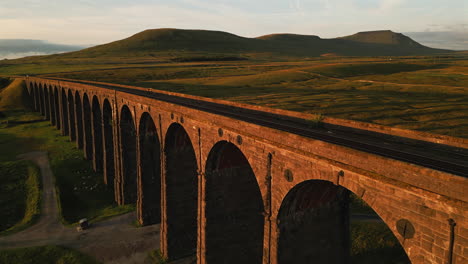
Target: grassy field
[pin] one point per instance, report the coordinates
(420, 93)
(45, 255)
(20, 195)
(81, 191)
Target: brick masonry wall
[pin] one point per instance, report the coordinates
(415, 202)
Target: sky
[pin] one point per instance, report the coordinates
(86, 22)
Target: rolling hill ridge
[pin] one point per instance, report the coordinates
(167, 40)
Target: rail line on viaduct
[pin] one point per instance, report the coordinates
(234, 183)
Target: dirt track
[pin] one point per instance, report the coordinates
(111, 241)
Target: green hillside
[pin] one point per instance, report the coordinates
(160, 42)
(166, 39)
(387, 37)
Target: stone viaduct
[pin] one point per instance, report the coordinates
(232, 191)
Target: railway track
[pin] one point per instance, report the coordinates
(435, 156)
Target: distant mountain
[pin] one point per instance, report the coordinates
(176, 41)
(15, 48)
(386, 37)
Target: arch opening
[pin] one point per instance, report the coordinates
(79, 121)
(108, 143)
(46, 104)
(181, 180)
(324, 223)
(51, 106)
(87, 131)
(128, 152)
(97, 135)
(150, 158)
(41, 100)
(65, 128)
(234, 208)
(38, 98)
(71, 116)
(313, 224)
(56, 107)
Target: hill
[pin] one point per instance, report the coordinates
(15, 48)
(168, 39)
(174, 43)
(386, 37)
(14, 96)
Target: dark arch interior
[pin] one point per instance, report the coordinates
(234, 208)
(46, 104)
(97, 135)
(181, 193)
(108, 144)
(129, 162)
(56, 107)
(150, 171)
(79, 121)
(88, 138)
(41, 100)
(71, 115)
(313, 223)
(50, 103)
(314, 226)
(53, 115)
(36, 98)
(65, 113)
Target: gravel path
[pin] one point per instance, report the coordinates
(111, 241)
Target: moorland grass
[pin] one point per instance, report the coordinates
(20, 195)
(420, 93)
(45, 255)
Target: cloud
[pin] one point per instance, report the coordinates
(441, 39)
(388, 5)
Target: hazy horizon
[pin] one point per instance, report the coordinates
(442, 40)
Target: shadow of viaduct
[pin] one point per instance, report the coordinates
(233, 191)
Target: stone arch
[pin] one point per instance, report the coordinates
(56, 108)
(107, 120)
(65, 128)
(128, 139)
(234, 208)
(87, 129)
(97, 135)
(150, 173)
(314, 224)
(79, 120)
(181, 183)
(46, 104)
(71, 115)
